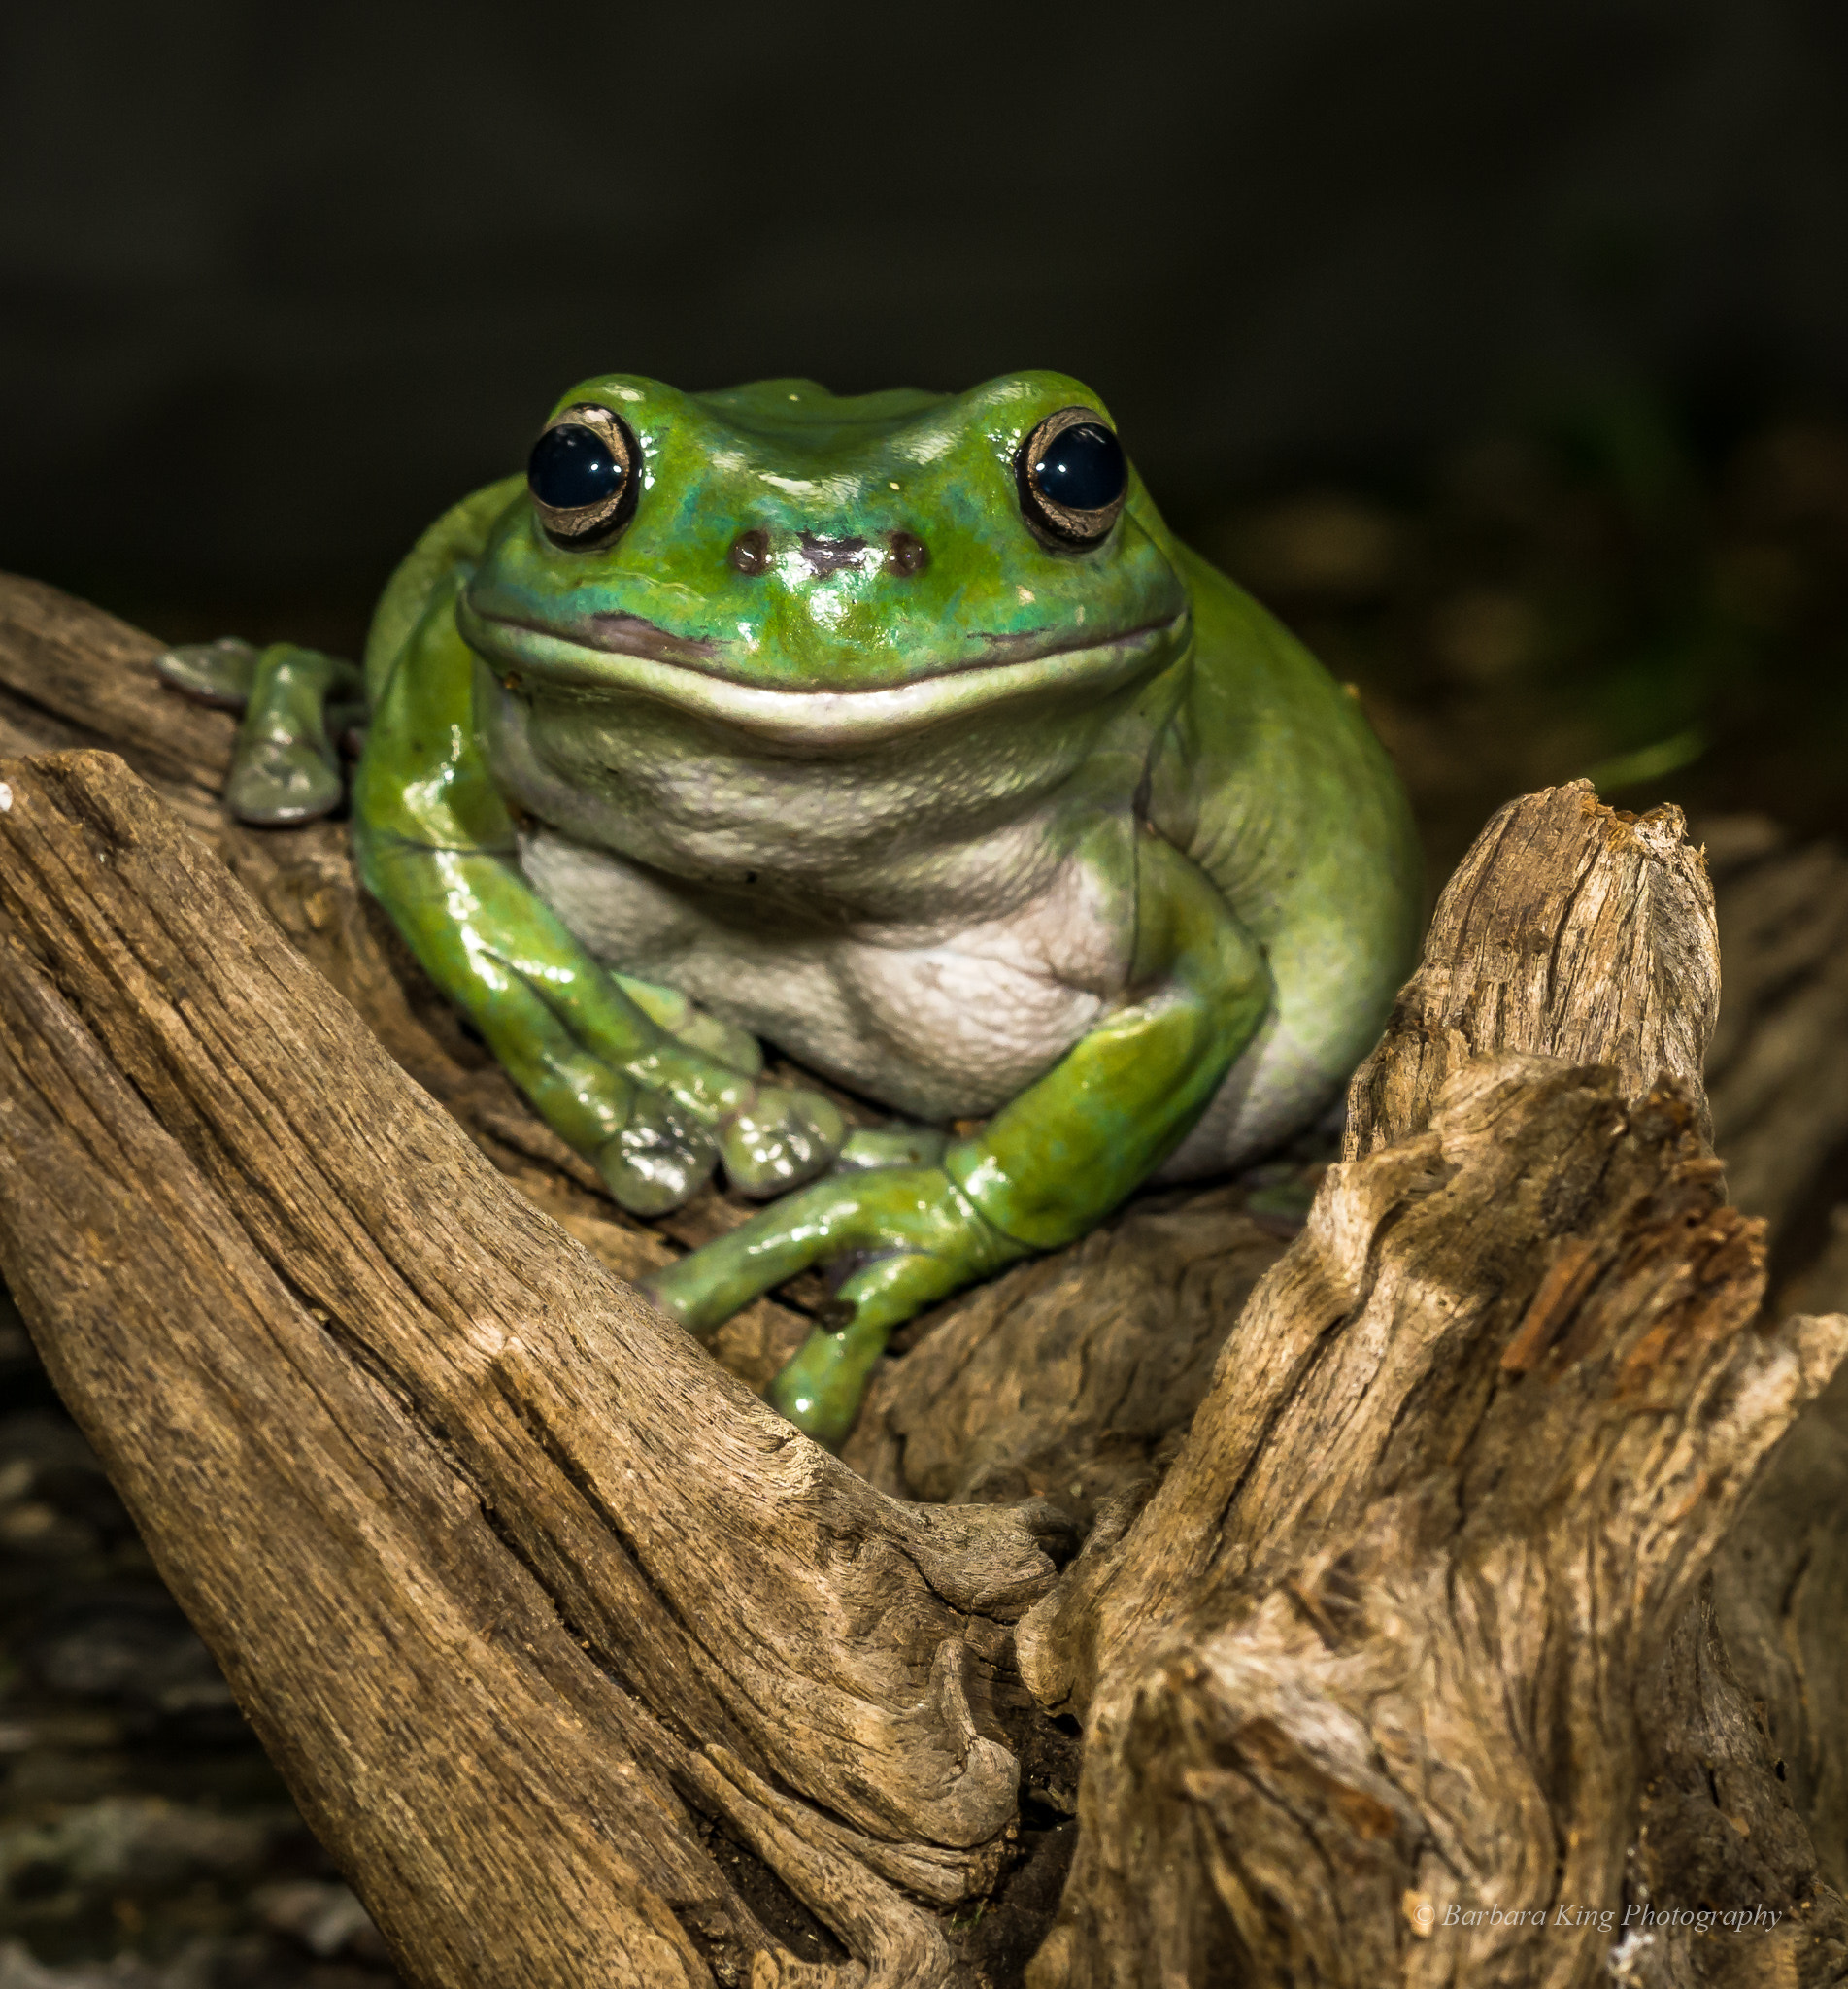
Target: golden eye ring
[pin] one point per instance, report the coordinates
(583, 475)
(1074, 480)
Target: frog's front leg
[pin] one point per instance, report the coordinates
(629, 1073)
(1045, 1169)
(651, 1112)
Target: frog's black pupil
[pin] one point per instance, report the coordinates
(1082, 467)
(571, 466)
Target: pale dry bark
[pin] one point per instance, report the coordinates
(1353, 1705)
(1393, 1597)
(754, 1595)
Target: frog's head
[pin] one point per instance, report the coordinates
(830, 571)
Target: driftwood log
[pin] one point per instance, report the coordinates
(1434, 1617)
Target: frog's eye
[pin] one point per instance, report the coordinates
(1073, 478)
(584, 473)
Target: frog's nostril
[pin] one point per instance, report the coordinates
(750, 552)
(908, 556)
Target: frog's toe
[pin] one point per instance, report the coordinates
(276, 783)
(821, 1387)
(735, 1048)
(780, 1140)
(897, 1145)
(216, 673)
(656, 1162)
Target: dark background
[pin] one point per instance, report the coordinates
(277, 283)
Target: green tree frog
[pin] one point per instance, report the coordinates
(897, 731)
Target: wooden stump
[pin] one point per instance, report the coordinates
(1393, 1634)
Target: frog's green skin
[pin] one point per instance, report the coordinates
(1078, 845)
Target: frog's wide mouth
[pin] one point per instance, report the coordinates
(637, 657)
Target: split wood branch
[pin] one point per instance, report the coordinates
(749, 1592)
(529, 1601)
(1362, 1679)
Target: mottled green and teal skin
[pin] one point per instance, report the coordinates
(1078, 857)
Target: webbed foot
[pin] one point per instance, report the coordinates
(769, 1137)
(780, 1140)
(772, 1139)
(296, 703)
(650, 1088)
(661, 1158)
(912, 1236)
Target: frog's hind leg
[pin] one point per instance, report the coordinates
(296, 703)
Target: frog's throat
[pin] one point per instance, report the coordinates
(828, 717)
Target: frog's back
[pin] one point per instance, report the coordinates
(1274, 783)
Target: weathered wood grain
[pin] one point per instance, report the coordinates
(404, 1669)
(1569, 929)
(72, 676)
(750, 1591)
(1372, 1659)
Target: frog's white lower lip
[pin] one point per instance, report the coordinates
(823, 717)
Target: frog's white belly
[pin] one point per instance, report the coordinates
(940, 1022)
